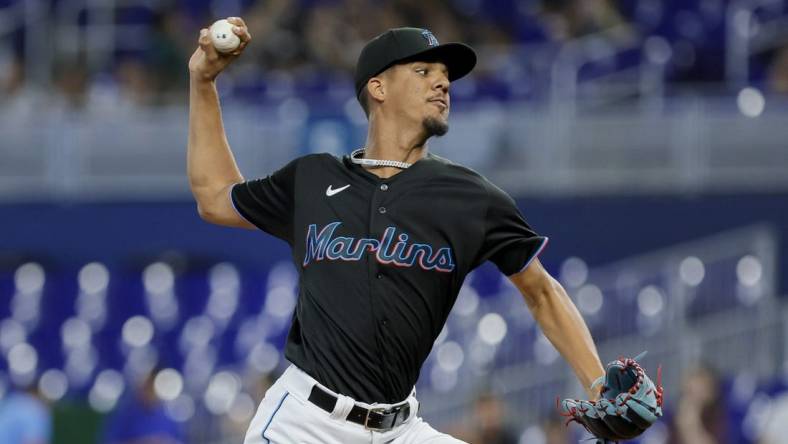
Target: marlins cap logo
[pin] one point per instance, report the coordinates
(431, 39)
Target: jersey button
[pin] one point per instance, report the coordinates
(382, 210)
(380, 276)
(384, 187)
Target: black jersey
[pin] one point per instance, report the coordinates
(381, 261)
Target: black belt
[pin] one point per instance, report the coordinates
(378, 419)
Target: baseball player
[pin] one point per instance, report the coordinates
(382, 239)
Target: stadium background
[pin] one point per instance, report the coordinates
(646, 138)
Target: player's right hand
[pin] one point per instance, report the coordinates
(206, 63)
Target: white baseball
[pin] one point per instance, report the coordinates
(223, 37)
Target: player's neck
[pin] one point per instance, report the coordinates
(383, 152)
(389, 143)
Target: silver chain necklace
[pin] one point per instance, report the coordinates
(356, 158)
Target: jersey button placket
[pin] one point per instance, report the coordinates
(379, 222)
(383, 187)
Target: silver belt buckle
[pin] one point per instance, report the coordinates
(378, 410)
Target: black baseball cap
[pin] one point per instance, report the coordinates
(402, 45)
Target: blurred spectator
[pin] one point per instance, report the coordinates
(701, 414)
(328, 37)
(256, 385)
(777, 75)
(275, 42)
(260, 384)
(236, 425)
(11, 77)
(136, 86)
(168, 57)
(72, 80)
(568, 19)
(25, 418)
(556, 431)
(141, 417)
(488, 423)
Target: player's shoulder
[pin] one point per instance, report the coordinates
(461, 172)
(453, 168)
(315, 160)
(472, 179)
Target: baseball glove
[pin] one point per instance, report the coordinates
(630, 402)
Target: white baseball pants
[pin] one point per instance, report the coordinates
(285, 416)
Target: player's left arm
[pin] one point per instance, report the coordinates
(560, 322)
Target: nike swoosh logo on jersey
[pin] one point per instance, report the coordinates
(330, 192)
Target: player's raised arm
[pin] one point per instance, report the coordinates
(560, 322)
(211, 167)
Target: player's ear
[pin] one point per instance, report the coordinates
(376, 89)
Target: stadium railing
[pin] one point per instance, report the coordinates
(700, 145)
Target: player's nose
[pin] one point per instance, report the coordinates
(442, 83)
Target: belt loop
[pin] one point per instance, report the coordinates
(414, 408)
(343, 407)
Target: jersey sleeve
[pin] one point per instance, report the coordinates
(268, 202)
(509, 242)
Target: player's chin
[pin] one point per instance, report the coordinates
(436, 126)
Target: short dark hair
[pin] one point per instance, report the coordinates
(363, 99)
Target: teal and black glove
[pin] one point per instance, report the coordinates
(630, 402)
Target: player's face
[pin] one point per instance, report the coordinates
(421, 95)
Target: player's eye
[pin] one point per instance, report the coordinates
(422, 71)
